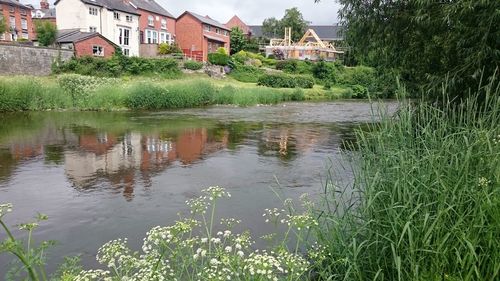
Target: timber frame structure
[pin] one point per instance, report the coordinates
(309, 47)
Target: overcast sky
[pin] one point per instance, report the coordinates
(252, 12)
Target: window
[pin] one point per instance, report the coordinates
(12, 21)
(93, 11)
(22, 11)
(126, 52)
(116, 16)
(24, 24)
(225, 33)
(12, 9)
(152, 36)
(129, 18)
(207, 27)
(92, 29)
(166, 38)
(1, 7)
(124, 36)
(217, 30)
(98, 51)
(25, 35)
(163, 24)
(151, 20)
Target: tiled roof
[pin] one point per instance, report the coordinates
(206, 20)
(325, 32)
(14, 3)
(75, 35)
(152, 6)
(116, 5)
(47, 13)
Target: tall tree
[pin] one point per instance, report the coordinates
(46, 32)
(293, 18)
(271, 28)
(428, 42)
(238, 40)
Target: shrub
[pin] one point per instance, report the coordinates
(240, 57)
(285, 81)
(222, 51)
(359, 75)
(324, 71)
(167, 49)
(298, 95)
(246, 73)
(359, 92)
(80, 87)
(193, 65)
(218, 59)
(255, 62)
(294, 66)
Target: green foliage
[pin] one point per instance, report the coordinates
(219, 58)
(295, 66)
(119, 65)
(324, 71)
(359, 92)
(3, 25)
(81, 87)
(246, 73)
(293, 18)
(222, 51)
(285, 81)
(193, 65)
(456, 43)
(167, 49)
(430, 205)
(46, 32)
(238, 40)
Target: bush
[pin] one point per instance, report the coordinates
(324, 71)
(359, 75)
(240, 57)
(246, 73)
(285, 81)
(167, 49)
(218, 59)
(80, 87)
(295, 66)
(193, 65)
(359, 92)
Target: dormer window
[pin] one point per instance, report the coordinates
(163, 24)
(151, 20)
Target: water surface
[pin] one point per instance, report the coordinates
(100, 176)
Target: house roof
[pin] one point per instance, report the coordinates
(75, 35)
(205, 20)
(214, 38)
(113, 5)
(47, 13)
(15, 3)
(152, 6)
(325, 32)
(235, 21)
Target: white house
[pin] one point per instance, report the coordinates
(116, 20)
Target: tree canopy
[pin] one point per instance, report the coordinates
(427, 42)
(293, 18)
(46, 32)
(238, 40)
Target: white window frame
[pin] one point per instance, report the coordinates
(151, 20)
(164, 24)
(92, 29)
(12, 22)
(151, 36)
(124, 40)
(116, 15)
(126, 52)
(24, 24)
(129, 18)
(93, 11)
(97, 53)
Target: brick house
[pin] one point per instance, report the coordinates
(18, 19)
(85, 43)
(44, 13)
(156, 25)
(198, 36)
(235, 21)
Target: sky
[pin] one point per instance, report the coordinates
(252, 12)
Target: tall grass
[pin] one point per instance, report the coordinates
(426, 199)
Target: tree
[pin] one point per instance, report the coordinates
(427, 42)
(293, 18)
(271, 28)
(46, 32)
(3, 25)
(238, 40)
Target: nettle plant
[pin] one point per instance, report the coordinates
(192, 248)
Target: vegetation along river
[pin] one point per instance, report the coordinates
(101, 176)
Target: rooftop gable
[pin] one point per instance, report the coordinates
(152, 6)
(15, 3)
(205, 20)
(112, 5)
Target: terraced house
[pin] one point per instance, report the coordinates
(18, 19)
(116, 20)
(198, 35)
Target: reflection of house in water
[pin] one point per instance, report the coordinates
(125, 160)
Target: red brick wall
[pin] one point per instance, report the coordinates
(189, 33)
(84, 48)
(5, 11)
(237, 22)
(143, 23)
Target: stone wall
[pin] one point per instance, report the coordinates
(148, 50)
(28, 60)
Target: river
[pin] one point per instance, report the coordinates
(101, 176)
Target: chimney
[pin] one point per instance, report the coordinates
(44, 4)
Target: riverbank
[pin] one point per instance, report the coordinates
(76, 92)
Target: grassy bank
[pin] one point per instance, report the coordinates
(426, 198)
(94, 93)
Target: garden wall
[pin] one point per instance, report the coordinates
(29, 60)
